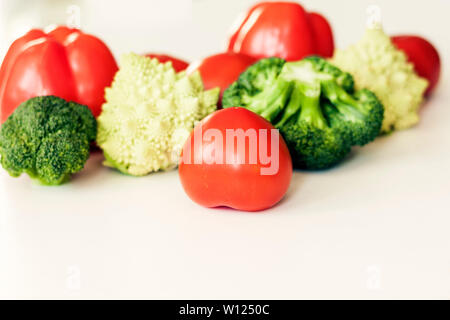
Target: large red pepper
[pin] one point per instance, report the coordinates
(282, 29)
(63, 62)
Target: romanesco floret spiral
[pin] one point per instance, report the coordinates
(149, 113)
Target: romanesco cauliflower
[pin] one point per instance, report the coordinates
(379, 66)
(149, 113)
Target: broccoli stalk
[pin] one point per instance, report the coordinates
(269, 103)
(310, 107)
(311, 140)
(293, 106)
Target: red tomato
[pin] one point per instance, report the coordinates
(282, 29)
(177, 64)
(423, 55)
(222, 69)
(64, 62)
(214, 172)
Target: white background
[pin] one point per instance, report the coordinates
(377, 226)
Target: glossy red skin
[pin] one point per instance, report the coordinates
(178, 64)
(238, 186)
(423, 55)
(63, 62)
(322, 34)
(282, 29)
(221, 70)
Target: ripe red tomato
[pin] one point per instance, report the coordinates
(423, 55)
(222, 69)
(178, 64)
(216, 170)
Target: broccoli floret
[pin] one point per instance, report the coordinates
(48, 138)
(252, 81)
(360, 115)
(314, 106)
(149, 112)
(313, 142)
(72, 151)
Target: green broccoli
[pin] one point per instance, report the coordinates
(253, 81)
(48, 138)
(314, 106)
(313, 142)
(315, 68)
(149, 112)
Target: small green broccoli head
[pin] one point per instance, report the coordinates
(344, 118)
(252, 81)
(48, 138)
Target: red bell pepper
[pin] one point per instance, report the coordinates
(63, 62)
(282, 29)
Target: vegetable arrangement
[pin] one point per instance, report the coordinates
(289, 100)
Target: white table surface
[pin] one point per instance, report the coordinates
(377, 226)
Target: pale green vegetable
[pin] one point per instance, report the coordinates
(149, 113)
(376, 64)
